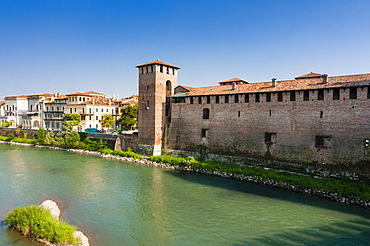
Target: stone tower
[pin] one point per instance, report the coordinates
(157, 81)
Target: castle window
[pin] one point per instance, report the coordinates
(321, 114)
(280, 96)
(238, 113)
(173, 71)
(168, 70)
(292, 96)
(226, 98)
(268, 97)
(246, 98)
(204, 133)
(336, 94)
(206, 113)
(270, 137)
(199, 100)
(353, 93)
(322, 142)
(191, 100)
(208, 99)
(320, 94)
(236, 98)
(368, 92)
(257, 98)
(217, 99)
(161, 69)
(306, 95)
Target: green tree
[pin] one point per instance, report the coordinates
(129, 116)
(68, 137)
(108, 121)
(73, 118)
(5, 124)
(41, 134)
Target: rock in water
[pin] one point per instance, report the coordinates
(52, 207)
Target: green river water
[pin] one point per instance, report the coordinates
(118, 203)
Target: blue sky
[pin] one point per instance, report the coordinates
(69, 46)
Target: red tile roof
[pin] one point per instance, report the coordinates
(287, 85)
(233, 80)
(310, 75)
(159, 63)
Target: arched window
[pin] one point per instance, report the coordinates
(206, 113)
(168, 88)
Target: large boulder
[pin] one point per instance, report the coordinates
(52, 207)
(55, 211)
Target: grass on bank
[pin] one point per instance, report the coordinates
(343, 187)
(39, 223)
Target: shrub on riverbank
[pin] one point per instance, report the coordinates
(39, 223)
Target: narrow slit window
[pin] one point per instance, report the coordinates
(206, 113)
(353, 93)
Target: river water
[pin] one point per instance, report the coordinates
(120, 203)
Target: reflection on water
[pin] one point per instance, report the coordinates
(119, 203)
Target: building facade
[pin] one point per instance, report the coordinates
(312, 118)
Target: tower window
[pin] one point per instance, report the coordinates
(191, 100)
(206, 113)
(226, 98)
(161, 68)
(368, 92)
(208, 99)
(353, 93)
(306, 95)
(199, 100)
(217, 99)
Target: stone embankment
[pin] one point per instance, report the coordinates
(255, 179)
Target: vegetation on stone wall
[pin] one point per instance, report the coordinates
(38, 222)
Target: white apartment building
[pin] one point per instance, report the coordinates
(91, 106)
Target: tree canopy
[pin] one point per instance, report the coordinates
(129, 116)
(108, 121)
(73, 118)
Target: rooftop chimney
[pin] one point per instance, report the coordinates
(325, 78)
(233, 86)
(273, 82)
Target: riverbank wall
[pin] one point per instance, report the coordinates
(254, 179)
